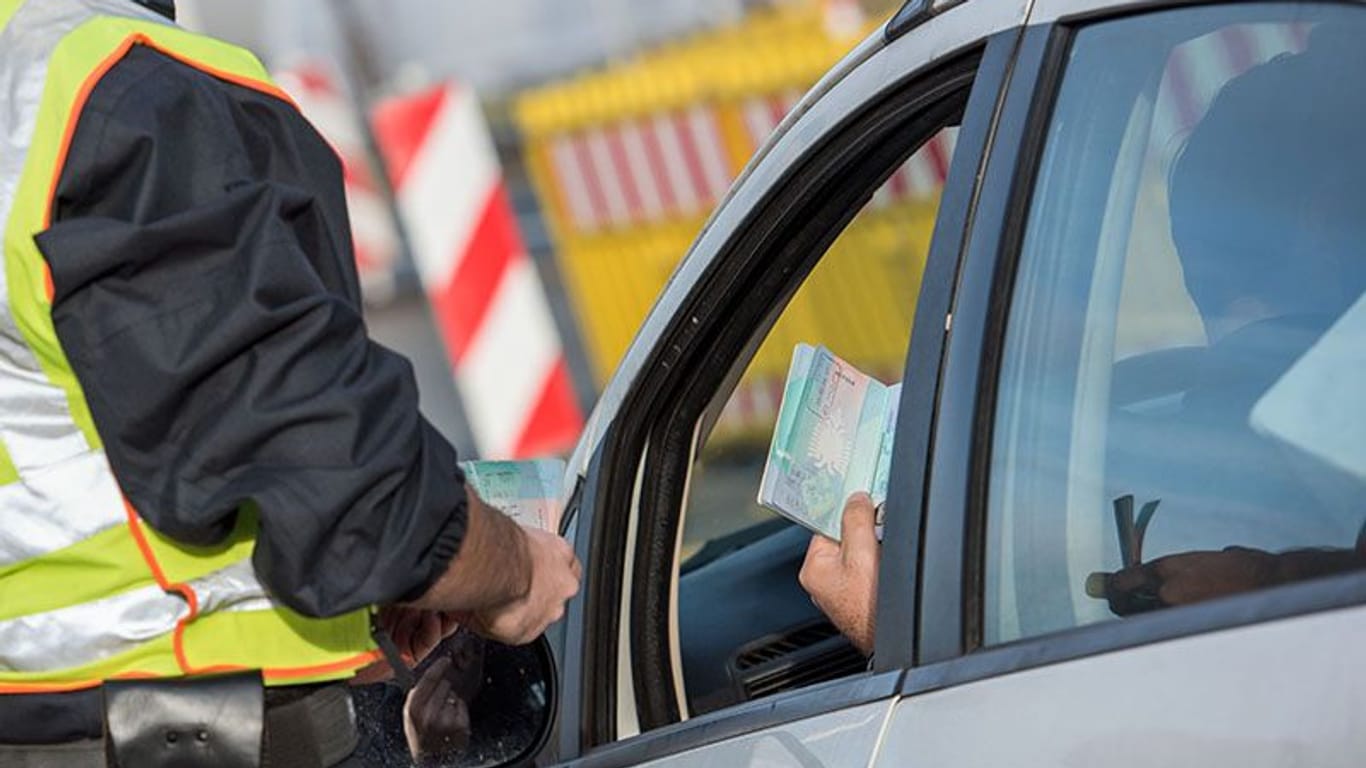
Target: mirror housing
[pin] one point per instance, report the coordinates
(476, 704)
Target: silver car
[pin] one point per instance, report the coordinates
(1127, 496)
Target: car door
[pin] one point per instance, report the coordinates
(622, 699)
(1143, 541)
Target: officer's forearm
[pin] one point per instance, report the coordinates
(491, 569)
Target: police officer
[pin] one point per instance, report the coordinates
(209, 475)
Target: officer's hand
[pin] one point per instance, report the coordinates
(1189, 577)
(841, 577)
(436, 718)
(415, 632)
(555, 575)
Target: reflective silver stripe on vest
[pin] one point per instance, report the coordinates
(58, 501)
(66, 491)
(84, 634)
(83, 484)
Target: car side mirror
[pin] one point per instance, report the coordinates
(477, 704)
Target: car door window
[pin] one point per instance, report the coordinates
(859, 302)
(1178, 414)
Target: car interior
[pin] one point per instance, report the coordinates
(1158, 439)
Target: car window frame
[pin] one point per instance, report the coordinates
(1077, 13)
(950, 622)
(899, 609)
(620, 443)
(677, 436)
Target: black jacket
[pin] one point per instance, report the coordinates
(207, 298)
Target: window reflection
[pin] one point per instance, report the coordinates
(1186, 322)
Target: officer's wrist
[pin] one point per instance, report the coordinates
(491, 569)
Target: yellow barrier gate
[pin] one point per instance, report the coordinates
(627, 163)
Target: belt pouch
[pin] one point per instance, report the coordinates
(186, 723)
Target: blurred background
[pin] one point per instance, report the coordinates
(524, 174)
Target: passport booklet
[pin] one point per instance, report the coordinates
(833, 438)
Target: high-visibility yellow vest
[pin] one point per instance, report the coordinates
(88, 592)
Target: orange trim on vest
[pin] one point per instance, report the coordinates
(293, 673)
(8, 688)
(177, 641)
(83, 96)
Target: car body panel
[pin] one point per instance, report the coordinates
(1283, 693)
(808, 713)
(845, 738)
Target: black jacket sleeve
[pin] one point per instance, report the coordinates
(206, 296)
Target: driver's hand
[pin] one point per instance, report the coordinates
(555, 576)
(1189, 577)
(841, 577)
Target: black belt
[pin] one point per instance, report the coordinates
(311, 725)
(51, 718)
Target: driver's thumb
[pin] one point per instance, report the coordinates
(860, 518)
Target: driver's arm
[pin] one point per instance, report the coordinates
(1192, 577)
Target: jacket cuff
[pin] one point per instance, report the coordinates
(444, 548)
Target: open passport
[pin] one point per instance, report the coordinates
(526, 491)
(833, 438)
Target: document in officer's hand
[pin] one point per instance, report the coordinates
(526, 491)
(833, 438)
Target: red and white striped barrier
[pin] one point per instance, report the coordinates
(1199, 69)
(486, 295)
(672, 165)
(762, 114)
(323, 100)
(614, 175)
